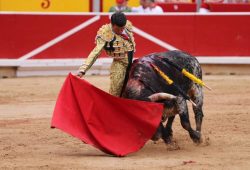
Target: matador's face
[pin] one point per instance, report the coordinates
(118, 30)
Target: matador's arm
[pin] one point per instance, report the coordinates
(92, 56)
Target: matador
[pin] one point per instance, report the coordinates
(117, 40)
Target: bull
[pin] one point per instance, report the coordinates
(144, 83)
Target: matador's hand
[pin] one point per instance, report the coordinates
(80, 74)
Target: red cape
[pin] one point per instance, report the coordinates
(114, 125)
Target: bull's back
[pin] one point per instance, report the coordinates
(143, 74)
(184, 60)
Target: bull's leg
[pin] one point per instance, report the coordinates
(158, 133)
(196, 95)
(168, 132)
(198, 116)
(198, 109)
(184, 117)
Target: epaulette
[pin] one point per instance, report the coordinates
(105, 33)
(129, 26)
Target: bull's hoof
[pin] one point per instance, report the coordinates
(168, 139)
(156, 137)
(204, 141)
(196, 137)
(172, 146)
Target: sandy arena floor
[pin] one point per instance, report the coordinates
(27, 142)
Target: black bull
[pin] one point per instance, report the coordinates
(144, 81)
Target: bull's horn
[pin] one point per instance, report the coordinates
(161, 96)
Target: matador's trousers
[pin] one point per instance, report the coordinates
(117, 76)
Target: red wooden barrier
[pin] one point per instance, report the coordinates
(72, 36)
